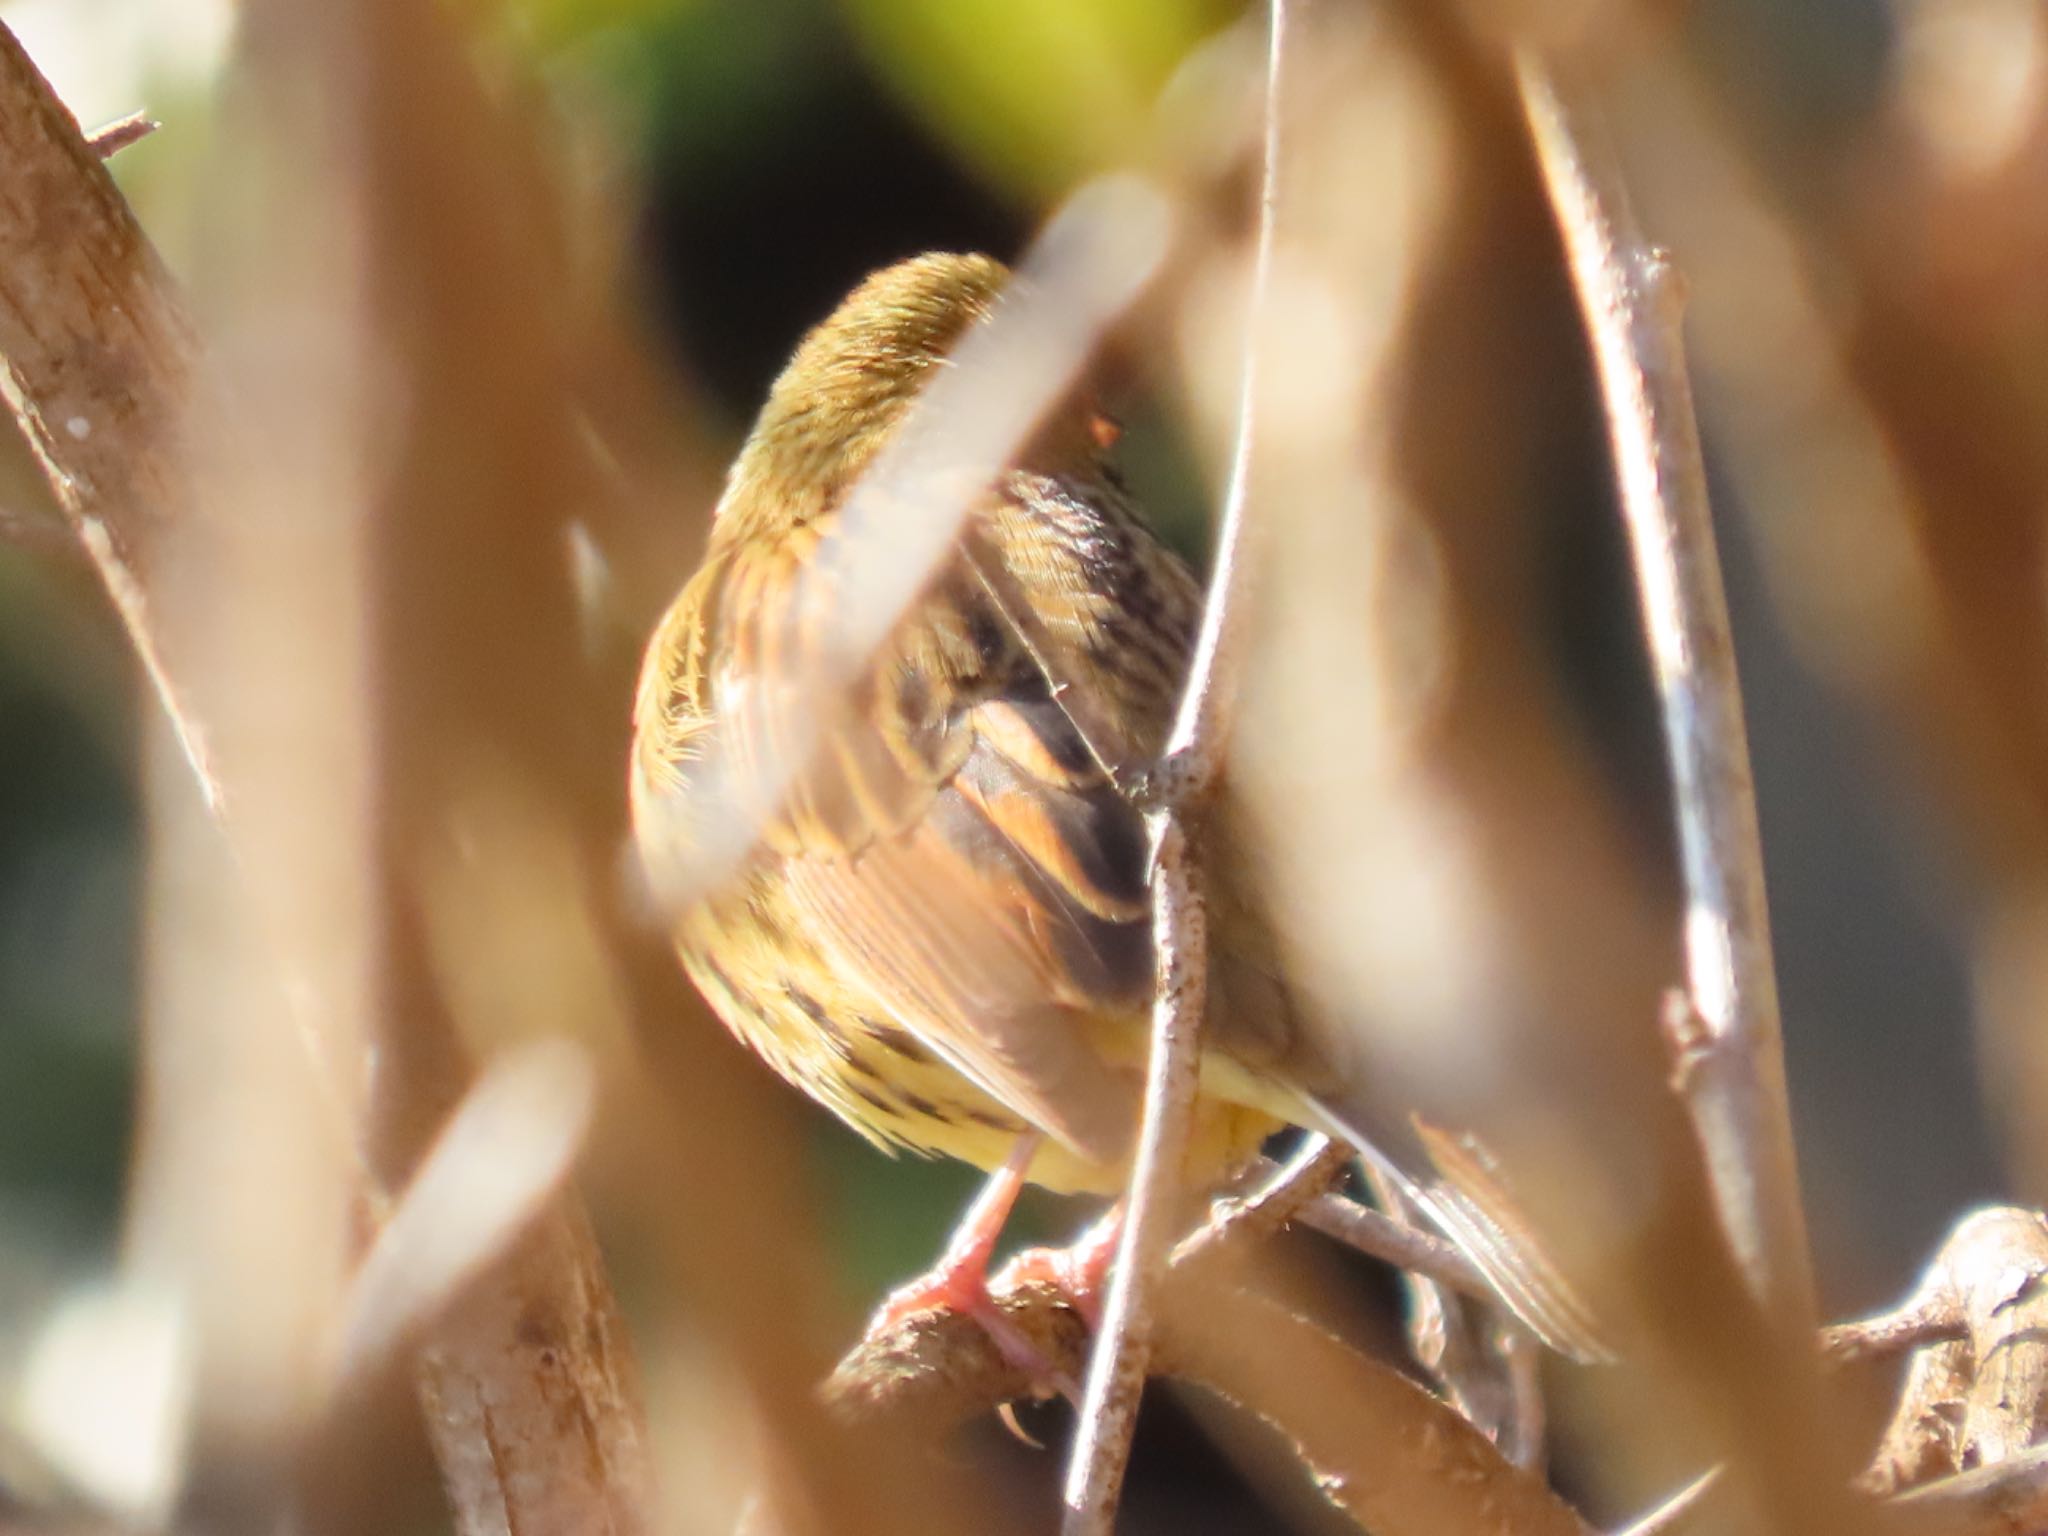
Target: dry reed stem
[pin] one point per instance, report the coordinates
(104, 374)
(481, 649)
(1283, 1192)
(1723, 1032)
(100, 360)
(1678, 1511)
(1732, 1070)
(1120, 1361)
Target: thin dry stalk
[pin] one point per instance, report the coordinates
(1280, 1197)
(1484, 1363)
(1121, 1359)
(1732, 1071)
(1678, 1512)
(381, 130)
(1865, 1339)
(1377, 1235)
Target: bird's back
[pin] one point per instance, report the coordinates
(945, 934)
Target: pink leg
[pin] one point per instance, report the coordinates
(1079, 1270)
(959, 1281)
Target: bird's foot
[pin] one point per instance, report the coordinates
(1079, 1271)
(959, 1282)
(964, 1289)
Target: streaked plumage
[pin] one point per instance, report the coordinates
(944, 933)
(945, 937)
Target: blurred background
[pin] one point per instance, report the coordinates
(1858, 193)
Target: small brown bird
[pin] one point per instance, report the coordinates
(943, 934)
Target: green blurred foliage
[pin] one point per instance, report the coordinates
(69, 869)
(554, 25)
(1030, 95)
(889, 1217)
(1036, 94)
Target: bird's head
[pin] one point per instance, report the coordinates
(849, 386)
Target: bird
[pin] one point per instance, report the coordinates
(942, 930)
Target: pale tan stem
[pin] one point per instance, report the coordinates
(1122, 1355)
(1732, 1066)
(1282, 1195)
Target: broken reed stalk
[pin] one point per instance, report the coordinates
(1731, 1059)
(105, 374)
(1121, 1359)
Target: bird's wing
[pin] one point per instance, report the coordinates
(954, 837)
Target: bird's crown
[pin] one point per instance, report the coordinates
(850, 383)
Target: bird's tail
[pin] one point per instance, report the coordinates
(1463, 1197)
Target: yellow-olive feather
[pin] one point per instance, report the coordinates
(943, 934)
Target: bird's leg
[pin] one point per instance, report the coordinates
(959, 1281)
(1076, 1271)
